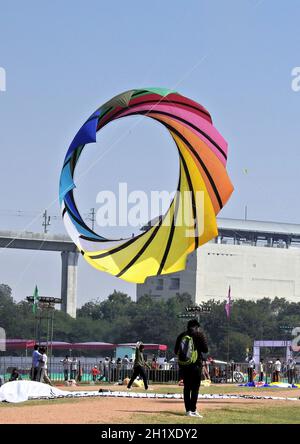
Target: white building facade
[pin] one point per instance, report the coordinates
(257, 259)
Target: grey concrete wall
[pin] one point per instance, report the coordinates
(252, 272)
(187, 282)
(69, 282)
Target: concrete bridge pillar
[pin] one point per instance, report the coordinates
(69, 282)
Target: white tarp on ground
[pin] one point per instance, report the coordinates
(20, 391)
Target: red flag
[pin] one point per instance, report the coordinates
(228, 304)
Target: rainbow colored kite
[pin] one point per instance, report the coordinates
(163, 248)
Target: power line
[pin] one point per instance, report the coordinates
(92, 217)
(46, 221)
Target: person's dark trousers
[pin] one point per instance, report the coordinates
(66, 375)
(138, 371)
(73, 374)
(191, 379)
(290, 376)
(250, 374)
(261, 377)
(34, 372)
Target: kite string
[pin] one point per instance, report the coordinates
(51, 204)
(185, 75)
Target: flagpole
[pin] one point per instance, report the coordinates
(228, 320)
(228, 310)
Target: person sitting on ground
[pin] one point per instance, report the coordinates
(15, 375)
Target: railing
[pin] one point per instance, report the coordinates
(233, 373)
(111, 373)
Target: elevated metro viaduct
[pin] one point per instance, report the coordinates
(47, 242)
(233, 233)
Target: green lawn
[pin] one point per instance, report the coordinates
(230, 415)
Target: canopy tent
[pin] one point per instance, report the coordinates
(92, 346)
(17, 344)
(158, 347)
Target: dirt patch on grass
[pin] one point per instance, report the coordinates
(124, 410)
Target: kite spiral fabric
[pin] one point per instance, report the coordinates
(189, 222)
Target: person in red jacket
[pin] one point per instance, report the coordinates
(95, 372)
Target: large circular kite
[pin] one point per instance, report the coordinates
(189, 222)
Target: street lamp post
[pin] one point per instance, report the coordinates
(193, 311)
(45, 311)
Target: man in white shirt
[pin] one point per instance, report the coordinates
(277, 370)
(74, 368)
(43, 367)
(125, 367)
(66, 364)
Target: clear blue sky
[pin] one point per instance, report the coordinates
(65, 58)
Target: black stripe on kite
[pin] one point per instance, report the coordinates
(147, 113)
(193, 197)
(142, 250)
(116, 249)
(170, 239)
(138, 255)
(80, 222)
(174, 130)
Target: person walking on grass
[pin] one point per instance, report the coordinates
(189, 348)
(138, 366)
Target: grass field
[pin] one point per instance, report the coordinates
(230, 415)
(159, 411)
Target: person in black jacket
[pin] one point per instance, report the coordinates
(191, 373)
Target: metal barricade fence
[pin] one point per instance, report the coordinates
(233, 373)
(83, 372)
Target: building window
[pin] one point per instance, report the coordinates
(175, 284)
(160, 284)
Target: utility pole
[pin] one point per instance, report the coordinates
(46, 221)
(92, 217)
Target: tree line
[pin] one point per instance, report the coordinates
(118, 319)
